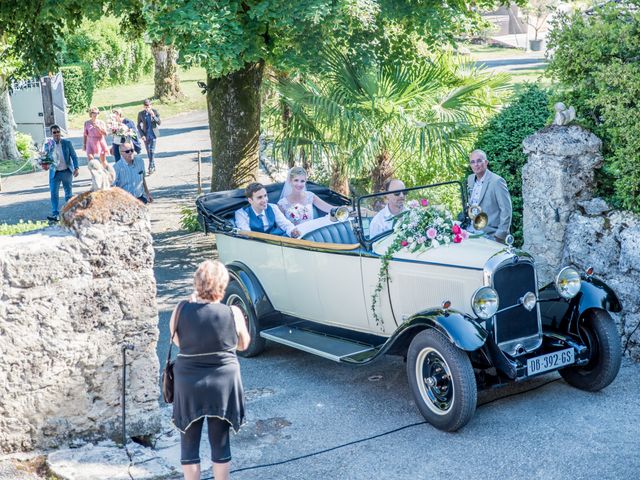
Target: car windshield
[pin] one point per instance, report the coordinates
(379, 211)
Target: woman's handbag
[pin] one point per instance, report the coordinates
(167, 374)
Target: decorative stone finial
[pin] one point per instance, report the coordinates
(564, 115)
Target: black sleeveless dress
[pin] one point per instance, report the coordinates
(207, 374)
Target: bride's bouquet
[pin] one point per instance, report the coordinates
(297, 213)
(121, 132)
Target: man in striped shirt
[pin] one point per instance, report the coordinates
(130, 174)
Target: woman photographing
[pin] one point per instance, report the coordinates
(207, 373)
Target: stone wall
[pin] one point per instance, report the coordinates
(69, 298)
(564, 224)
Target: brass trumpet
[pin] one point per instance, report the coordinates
(478, 218)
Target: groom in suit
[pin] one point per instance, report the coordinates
(62, 171)
(262, 216)
(490, 192)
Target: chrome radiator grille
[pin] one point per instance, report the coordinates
(512, 281)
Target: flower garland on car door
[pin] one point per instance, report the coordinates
(417, 229)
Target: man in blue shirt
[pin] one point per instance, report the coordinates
(130, 174)
(62, 170)
(148, 122)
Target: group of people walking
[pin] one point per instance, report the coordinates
(128, 171)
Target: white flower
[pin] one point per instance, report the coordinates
(447, 240)
(435, 244)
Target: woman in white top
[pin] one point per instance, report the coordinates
(296, 202)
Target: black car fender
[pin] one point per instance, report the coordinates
(561, 314)
(461, 329)
(252, 287)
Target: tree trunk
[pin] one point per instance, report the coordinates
(286, 122)
(381, 171)
(8, 149)
(233, 103)
(167, 83)
(339, 179)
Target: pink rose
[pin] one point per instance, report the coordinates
(424, 202)
(464, 234)
(456, 229)
(404, 243)
(457, 239)
(432, 233)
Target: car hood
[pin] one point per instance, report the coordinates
(471, 253)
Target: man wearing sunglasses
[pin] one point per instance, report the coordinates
(130, 174)
(383, 221)
(62, 170)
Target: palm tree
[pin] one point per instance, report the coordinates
(370, 119)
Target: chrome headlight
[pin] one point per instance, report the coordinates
(568, 282)
(485, 302)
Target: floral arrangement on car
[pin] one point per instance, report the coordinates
(419, 228)
(46, 158)
(297, 213)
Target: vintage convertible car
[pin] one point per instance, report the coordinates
(466, 316)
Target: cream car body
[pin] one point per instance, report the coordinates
(315, 294)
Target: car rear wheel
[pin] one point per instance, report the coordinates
(442, 381)
(599, 333)
(236, 296)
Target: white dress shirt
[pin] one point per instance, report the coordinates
(242, 219)
(382, 222)
(58, 157)
(475, 193)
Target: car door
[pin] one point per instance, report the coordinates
(324, 284)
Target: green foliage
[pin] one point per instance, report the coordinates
(114, 58)
(399, 114)
(189, 219)
(25, 145)
(597, 64)
(223, 35)
(78, 86)
(502, 137)
(21, 227)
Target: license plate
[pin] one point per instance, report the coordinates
(550, 361)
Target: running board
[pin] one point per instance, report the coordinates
(333, 348)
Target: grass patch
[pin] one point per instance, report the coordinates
(11, 166)
(129, 98)
(489, 51)
(21, 227)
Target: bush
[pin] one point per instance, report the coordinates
(78, 87)
(25, 146)
(114, 58)
(502, 140)
(189, 219)
(597, 65)
(21, 227)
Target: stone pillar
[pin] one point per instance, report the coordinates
(558, 174)
(69, 298)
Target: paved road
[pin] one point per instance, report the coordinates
(299, 404)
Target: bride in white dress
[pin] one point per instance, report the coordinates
(296, 202)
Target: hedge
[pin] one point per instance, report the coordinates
(78, 87)
(502, 138)
(597, 65)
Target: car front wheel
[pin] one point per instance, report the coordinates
(442, 381)
(235, 296)
(599, 333)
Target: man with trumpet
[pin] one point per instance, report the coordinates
(489, 192)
